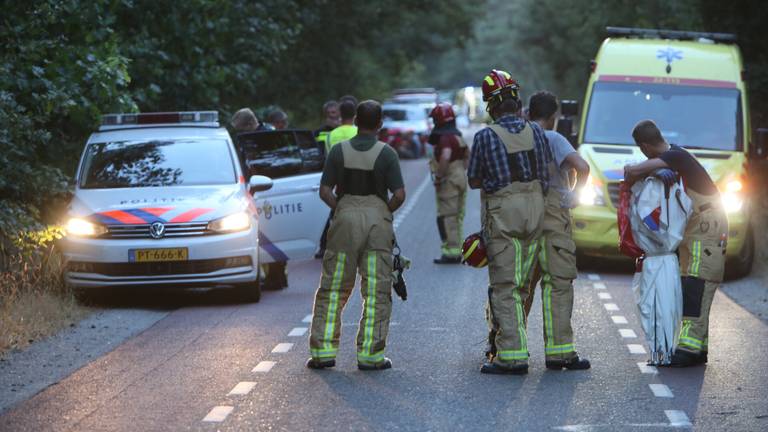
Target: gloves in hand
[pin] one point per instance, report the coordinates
(666, 175)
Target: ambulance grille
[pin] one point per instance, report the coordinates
(142, 231)
(613, 194)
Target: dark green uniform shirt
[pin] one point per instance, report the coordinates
(386, 169)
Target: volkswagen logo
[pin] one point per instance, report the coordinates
(157, 230)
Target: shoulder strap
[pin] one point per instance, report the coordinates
(361, 160)
(515, 143)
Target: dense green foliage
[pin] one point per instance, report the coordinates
(65, 62)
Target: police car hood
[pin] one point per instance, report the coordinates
(176, 204)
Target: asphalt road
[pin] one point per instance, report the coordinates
(184, 371)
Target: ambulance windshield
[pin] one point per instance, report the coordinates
(689, 116)
(182, 162)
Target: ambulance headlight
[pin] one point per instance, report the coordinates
(732, 199)
(235, 222)
(82, 228)
(592, 193)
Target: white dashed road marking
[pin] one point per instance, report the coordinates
(413, 199)
(264, 366)
(611, 307)
(661, 390)
(604, 296)
(599, 285)
(619, 319)
(627, 333)
(282, 348)
(646, 369)
(636, 349)
(298, 331)
(593, 277)
(677, 418)
(218, 414)
(307, 319)
(242, 388)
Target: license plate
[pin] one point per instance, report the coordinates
(155, 255)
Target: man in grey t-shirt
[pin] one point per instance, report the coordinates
(557, 255)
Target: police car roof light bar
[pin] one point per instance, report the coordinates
(669, 34)
(179, 117)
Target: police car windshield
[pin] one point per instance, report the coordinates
(693, 117)
(405, 114)
(178, 162)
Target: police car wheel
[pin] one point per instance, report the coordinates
(741, 265)
(248, 292)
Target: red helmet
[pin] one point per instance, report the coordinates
(442, 113)
(498, 84)
(473, 251)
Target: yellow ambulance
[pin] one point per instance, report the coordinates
(692, 85)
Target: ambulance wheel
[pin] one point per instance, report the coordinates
(248, 292)
(741, 265)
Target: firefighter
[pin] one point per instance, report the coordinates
(448, 169)
(702, 251)
(557, 252)
(360, 238)
(509, 162)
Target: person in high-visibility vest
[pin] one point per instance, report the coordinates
(702, 251)
(347, 130)
(364, 171)
(331, 120)
(509, 162)
(450, 179)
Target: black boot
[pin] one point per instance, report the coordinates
(497, 369)
(574, 363)
(681, 359)
(386, 364)
(314, 363)
(447, 260)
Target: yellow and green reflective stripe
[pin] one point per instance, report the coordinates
(370, 304)
(333, 305)
(559, 349)
(471, 249)
(513, 354)
(546, 292)
(518, 261)
(489, 80)
(695, 258)
(529, 259)
(323, 353)
(374, 358)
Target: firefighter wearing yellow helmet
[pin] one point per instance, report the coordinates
(509, 163)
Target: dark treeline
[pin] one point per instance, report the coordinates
(64, 63)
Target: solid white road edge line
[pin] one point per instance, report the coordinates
(593, 277)
(307, 319)
(661, 390)
(619, 319)
(646, 369)
(611, 307)
(282, 347)
(636, 349)
(242, 388)
(411, 201)
(677, 418)
(627, 333)
(218, 414)
(298, 331)
(599, 285)
(604, 296)
(264, 366)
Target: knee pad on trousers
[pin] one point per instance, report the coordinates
(441, 227)
(693, 292)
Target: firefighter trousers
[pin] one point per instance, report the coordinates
(451, 198)
(360, 239)
(702, 264)
(512, 226)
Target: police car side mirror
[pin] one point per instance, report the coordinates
(259, 183)
(759, 148)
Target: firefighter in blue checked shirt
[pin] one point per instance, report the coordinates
(509, 163)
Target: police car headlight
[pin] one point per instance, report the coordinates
(83, 228)
(592, 193)
(732, 199)
(235, 222)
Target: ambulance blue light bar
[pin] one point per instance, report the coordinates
(191, 118)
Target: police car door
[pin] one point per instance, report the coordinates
(291, 214)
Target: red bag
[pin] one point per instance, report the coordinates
(627, 244)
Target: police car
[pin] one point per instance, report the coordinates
(161, 199)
